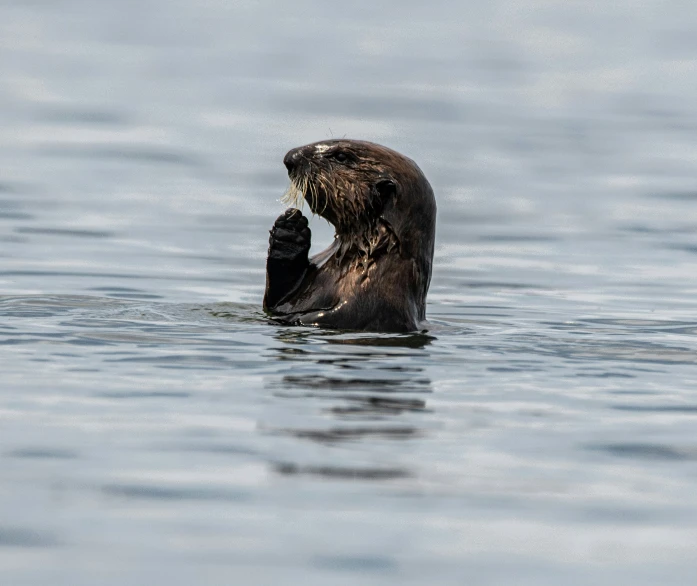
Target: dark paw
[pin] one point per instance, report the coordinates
(290, 237)
(287, 263)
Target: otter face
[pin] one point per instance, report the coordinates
(371, 194)
(346, 182)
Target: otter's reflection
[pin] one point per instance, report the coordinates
(348, 395)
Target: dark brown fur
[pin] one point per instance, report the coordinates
(376, 273)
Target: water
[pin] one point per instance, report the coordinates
(154, 428)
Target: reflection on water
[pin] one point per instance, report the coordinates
(154, 422)
(364, 391)
(343, 473)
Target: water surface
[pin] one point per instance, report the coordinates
(154, 427)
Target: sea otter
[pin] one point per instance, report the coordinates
(376, 273)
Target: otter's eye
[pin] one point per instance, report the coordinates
(341, 157)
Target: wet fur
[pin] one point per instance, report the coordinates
(376, 273)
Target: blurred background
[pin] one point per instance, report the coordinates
(155, 428)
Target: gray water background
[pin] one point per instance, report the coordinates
(155, 429)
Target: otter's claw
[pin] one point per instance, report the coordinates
(290, 237)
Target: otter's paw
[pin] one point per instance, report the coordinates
(289, 246)
(290, 238)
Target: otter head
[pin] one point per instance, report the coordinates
(369, 193)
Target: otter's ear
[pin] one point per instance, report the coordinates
(386, 190)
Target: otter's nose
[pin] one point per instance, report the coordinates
(292, 159)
